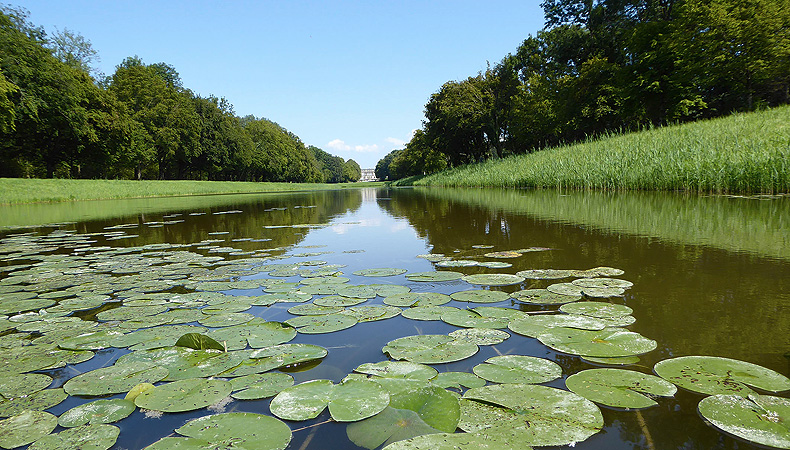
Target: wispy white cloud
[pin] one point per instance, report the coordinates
(339, 145)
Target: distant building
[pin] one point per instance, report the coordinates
(368, 175)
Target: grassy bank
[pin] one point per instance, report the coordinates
(24, 190)
(743, 153)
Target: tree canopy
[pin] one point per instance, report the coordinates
(600, 66)
(59, 117)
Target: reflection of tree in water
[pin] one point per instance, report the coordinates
(257, 213)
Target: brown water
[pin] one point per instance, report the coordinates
(710, 274)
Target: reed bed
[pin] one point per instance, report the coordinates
(742, 153)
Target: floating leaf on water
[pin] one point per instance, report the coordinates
(714, 375)
(565, 289)
(180, 362)
(600, 310)
(430, 349)
(245, 431)
(518, 369)
(436, 407)
(761, 419)
(619, 388)
(18, 385)
(471, 319)
(434, 257)
(426, 312)
(500, 312)
(439, 276)
(528, 414)
(225, 320)
(300, 296)
(493, 279)
(534, 326)
(381, 272)
(505, 254)
(348, 401)
(602, 283)
(183, 395)
(480, 296)
(457, 263)
(543, 297)
(398, 369)
(495, 265)
(38, 401)
(256, 386)
(322, 324)
(99, 411)
(94, 340)
(325, 280)
(457, 379)
(372, 313)
(198, 341)
(454, 441)
(598, 272)
(364, 292)
(137, 390)
(603, 292)
(609, 342)
(314, 310)
(616, 361)
(26, 427)
(388, 426)
(413, 299)
(338, 301)
(115, 379)
(480, 336)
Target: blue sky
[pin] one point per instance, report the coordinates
(350, 77)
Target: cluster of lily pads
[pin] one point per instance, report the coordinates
(189, 344)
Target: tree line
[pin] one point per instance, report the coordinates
(602, 66)
(57, 119)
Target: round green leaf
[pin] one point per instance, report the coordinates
(257, 386)
(518, 369)
(310, 309)
(382, 272)
(184, 395)
(115, 379)
(371, 313)
(455, 441)
(529, 414)
(565, 289)
(609, 342)
(602, 283)
(601, 310)
(414, 299)
(245, 431)
(480, 336)
(26, 427)
(388, 426)
(322, 324)
(761, 419)
(99, 411)
(533, 326)
(439, 276)
(182, 362)
(37, 401)
(436, 407)
(302, 401)
(619, 388)
(480, 296)
(430, 349)
(338, 301)
(543, 297)
(493, 279)
(198, 341)
(505, 254)
(457, 263)
(19, 385)
(426, 312)
(715, 375)
(398, 369)
(457, 379)
(349, 401)
(545, 274)
(472, 319)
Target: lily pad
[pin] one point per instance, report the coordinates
(619, 388)
(545, 274)
(609, 342)
(372, 313)
(19, 385)
(38, 401)
(381, 272)
(602, 282)
(457, 263)
(310, 309)
(198, 341)
(480, 336)
(388, 426)
(505, 254)
(86, 437)
(480, 296)
(518, 369)
(182, 362)
(439, 276)
(454, 441)
(761, 419)
(472, 319)
(529, 414)
(322, 324)
(534, 326)
(398, 369)
(184, 395)
(493, 279)
(349, 401)
(437, 407)
(99, 411)
(414, 299)
(338, 301)
(258, 386)
(426, 312)
(457, 379)
(240, 430)
(565, 289)
(257, 332)
(494, 264)
(26, 427)
(430, 349)
(115, 379)
(714, 375)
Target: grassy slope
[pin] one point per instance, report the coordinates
(740, 153)
(22, 190)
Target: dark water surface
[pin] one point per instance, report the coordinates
(711, 277)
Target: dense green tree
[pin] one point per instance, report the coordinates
(277, 156)
(351, 171)
(331, 167)
(382, 169)
(74, 50)
(418, 158)
(7, 113)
